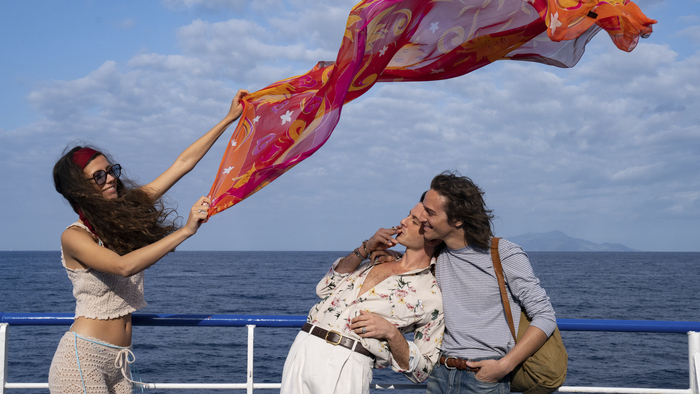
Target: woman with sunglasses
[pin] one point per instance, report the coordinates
(122, 229)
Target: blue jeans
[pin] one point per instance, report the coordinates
(455, 381)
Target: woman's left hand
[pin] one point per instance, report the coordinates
(369, 325)
(198, 214)
(384, 256)
(236, 105)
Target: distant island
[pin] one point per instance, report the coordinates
(557, 241)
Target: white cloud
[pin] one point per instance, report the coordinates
(318, 23)
(635, 173)
(692, 18)
(608, 65)
(692, 33)
(170, 64)
(236, 48)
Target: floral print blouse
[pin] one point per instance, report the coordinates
(411, 301)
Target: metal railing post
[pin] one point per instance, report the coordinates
(3, 356)
(251, 337)
(694, 360)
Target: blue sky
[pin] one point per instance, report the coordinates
(608, 151)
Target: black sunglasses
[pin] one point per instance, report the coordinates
(100, 177)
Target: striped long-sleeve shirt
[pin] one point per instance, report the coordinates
(475, 323)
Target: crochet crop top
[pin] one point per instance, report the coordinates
(100, 295)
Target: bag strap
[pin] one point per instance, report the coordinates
(498, 268)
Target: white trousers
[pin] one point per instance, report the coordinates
(316, 367)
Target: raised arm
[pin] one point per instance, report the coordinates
(81, 251)
(189, 158)
(381, 240)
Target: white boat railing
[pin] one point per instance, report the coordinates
(253, 321)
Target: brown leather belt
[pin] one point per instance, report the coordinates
(459, 363)
(336, 339)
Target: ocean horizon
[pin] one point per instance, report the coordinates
(581, 285)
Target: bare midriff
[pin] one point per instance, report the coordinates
(113, 331)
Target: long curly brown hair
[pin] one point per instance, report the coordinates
(129, 222)
(465, 203)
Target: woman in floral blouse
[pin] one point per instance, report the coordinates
(365, 310)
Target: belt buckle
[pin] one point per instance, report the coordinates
(334, 343)
(448, 359)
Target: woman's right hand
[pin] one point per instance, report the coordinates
(198, 215)
(236, 106)
(383, 239)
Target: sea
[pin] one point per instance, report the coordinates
(581, 285)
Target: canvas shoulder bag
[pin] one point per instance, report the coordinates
(545, 371)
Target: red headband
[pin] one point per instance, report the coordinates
(83, 156)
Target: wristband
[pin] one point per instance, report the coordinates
(364, 246)
(358, 254)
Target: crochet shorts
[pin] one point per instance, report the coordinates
(93, 370)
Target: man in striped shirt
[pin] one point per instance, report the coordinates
(478, 350)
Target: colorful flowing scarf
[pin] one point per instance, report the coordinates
(406, 40)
